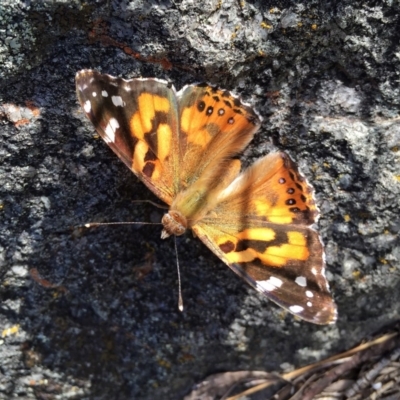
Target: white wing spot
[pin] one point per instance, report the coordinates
(269, 285)
(104, 93)
(87, 106)
(276, 281)
(117, 101)
(314, 271)
(309, 304)
(94, 94)
(111, 127)
(309, 293)
(301, 281)
(296, 309)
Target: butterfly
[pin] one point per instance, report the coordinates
(183, 147)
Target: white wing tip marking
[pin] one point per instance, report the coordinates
(296, 309)
(269, 285)
(82, 86)
(301, 281)
(87, 106)
(117, 101)
(111, 127)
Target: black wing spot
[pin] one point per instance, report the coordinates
(228, 103)
(237, 102)
(226, 93)
(227, 247)
(148, 169)
(150, 156)
(201, 106)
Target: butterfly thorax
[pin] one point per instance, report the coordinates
(174, 224)
(195, 202)
(188, 207)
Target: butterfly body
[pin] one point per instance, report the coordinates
(182, 146)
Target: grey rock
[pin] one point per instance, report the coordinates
(325, 79)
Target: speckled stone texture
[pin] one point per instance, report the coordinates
(93, 313)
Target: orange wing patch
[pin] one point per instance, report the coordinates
(261, 243)
(210, 111)
(272, 190)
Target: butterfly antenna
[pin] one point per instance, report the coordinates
(180, 300)
(162, 206)
(93, 224)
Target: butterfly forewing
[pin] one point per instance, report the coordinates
(138, 119)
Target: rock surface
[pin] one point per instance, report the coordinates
(93, 313)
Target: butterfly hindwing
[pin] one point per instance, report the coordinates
(289, 270)
(257, 232)
(214, 126)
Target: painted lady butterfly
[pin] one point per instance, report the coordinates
(181, 146)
